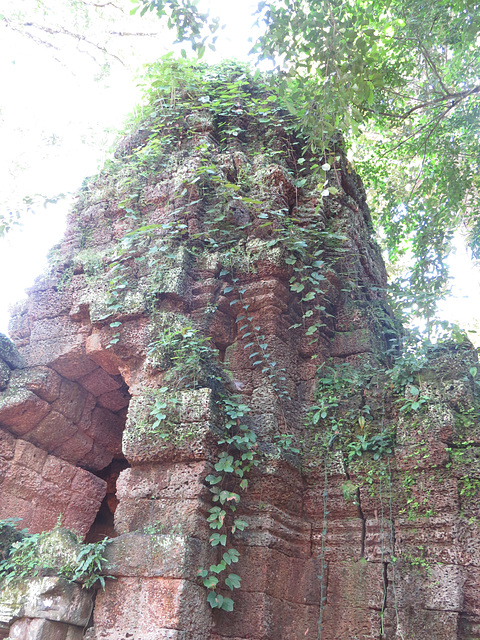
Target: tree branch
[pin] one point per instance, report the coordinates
(434, 69)
(139, 34)
(456, 97)
(55, 31)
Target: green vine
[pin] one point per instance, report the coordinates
(238, 457)
(57, 552)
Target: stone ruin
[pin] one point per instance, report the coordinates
(335, 547)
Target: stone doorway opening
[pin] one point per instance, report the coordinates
(105, 426)
(61, 426)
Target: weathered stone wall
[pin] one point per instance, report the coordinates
(335, 549)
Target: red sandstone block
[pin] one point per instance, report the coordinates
(378, 544)
(353, 342)
(281, 487)
(174, 481)
(96, 350)
(106, 430)
(440, 587)
(29, 456)
(80, 513)
(71, 400)
(43, 381)
(344, 539)
(221, 328)
(97, 458)
(467, 542)
(351, 317)
(114, 400)
(273, 528)
(471, 592)
(162, 554)
(145, 607)
(21, 411)
(58, 471)
(192, 441)
(436, 536)
(88, 485)
(355, 584)
(52, 431)
(352, 622)
(86, 418)
(68, 357)
(413, 457)
(174, 515)
(338, 507)
(4, 469)
(12, 506)
(287, 578)
(75, 449)
(53, 329)
(48, 303)
(425, 625)
(258, 616)
(29, 485)
(99, 382)
(7, 445)
(45, 516)
(147, 481)
(267, 308)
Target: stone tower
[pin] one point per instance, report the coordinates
(210, 375)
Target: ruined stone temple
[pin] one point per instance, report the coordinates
(209, 376)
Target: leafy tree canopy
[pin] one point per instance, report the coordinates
(400, 79)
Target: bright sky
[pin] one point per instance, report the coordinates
(58, 121)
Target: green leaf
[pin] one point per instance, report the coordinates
(215, 600)
(227, 604)
(218, 539)
(218, 568)
(210, 582)
(233, 581)
(239, 524)
(297, 287)
(230, 556)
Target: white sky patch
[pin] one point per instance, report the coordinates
(57, 123)
(23, 255)
(463, 306)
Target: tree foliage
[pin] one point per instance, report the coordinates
(185, 17)
(400, 80)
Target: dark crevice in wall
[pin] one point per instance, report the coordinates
(384, 601)
(103, 524)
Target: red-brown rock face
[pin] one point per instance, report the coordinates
(206, 265)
